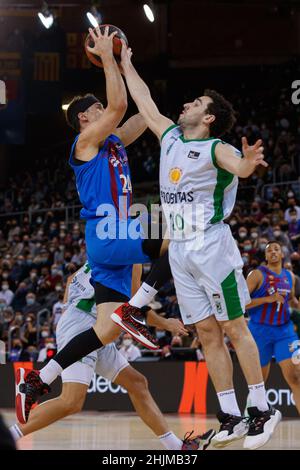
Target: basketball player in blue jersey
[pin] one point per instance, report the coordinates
(272, 291)
(98, 158)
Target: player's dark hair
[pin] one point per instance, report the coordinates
(271, 242)
(222, 110)
(78, 105)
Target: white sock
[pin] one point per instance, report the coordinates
(143, 296)
(49, 373)
(228, 403)
(257, 396)
(16, 432)
(170, 441)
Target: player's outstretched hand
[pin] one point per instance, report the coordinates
(126, 54)
(176, 327)
(103, 42)
(254, 153)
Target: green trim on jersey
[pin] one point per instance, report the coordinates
(86, 305)
(231, 296)
(167, 130)
(224, 178)
(185, 141)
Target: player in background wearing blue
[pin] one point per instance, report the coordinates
(272, 290)
(98, 158)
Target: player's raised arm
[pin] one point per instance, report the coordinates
(131, 129)
(243, 167)
(92, 135)
(141, 95)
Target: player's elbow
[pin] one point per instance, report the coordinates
(120, 106)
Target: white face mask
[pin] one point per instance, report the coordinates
(127, 342)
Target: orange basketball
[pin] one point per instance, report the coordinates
(117, 45)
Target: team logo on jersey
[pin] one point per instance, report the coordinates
(218, 304)
(175, 175)
(193, 155)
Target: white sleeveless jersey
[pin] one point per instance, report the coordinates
(81, 293)
(195, 193)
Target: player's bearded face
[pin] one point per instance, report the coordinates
(193, 113)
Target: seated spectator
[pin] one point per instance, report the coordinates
(294, 228)
(5, 293)
(291, 203)
(19, 300)
(29, 332)
(129, 349)
(32, 306)
(16, 350)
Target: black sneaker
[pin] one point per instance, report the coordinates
(200, 442)
(232, 428)
(261, 426)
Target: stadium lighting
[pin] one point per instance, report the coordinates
(46, 16)
(149, 12)
(65, 107)
(94, 17)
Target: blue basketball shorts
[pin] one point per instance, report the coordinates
(273, 341)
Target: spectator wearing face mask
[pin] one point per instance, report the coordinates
(294, 228)
(246, 261)
(265, 228)
(283, 239)
(18, 320)
(242, 234)
(32, 280)
(55, 277)
(32, 306)
(5, 276)
(6, 294)
(247, 247)
(291, 205)
(254, 237)
(261, 247)
(128, 349)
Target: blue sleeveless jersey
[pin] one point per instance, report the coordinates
(105, 179)
(275, 313)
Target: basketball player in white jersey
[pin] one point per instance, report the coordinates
(198, 184)
(81, 314)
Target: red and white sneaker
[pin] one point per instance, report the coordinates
(200, 442)
(28, 388)
(131, 320)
